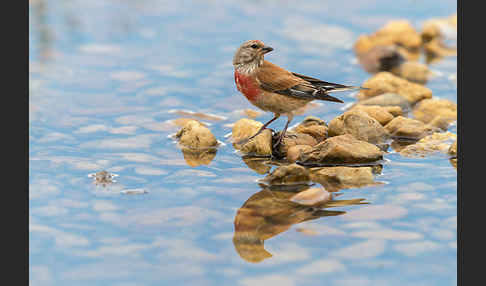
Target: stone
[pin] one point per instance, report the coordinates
(408, 128)
(244, 129)
(251, 113)
(312, 196)
(379, 113)
(180, 122)
(436, 112)
(437, 142)
(342, 149)
(314, 127)
(294, 152)
(388, 99)
(287, 174)
(453, 149)
(359, 124)
(380, 58)
(342, 177)
(412, 71)
(397, 33)
(197, 157)
(384, 82)
(195, 135)
(258, 165)
(292, 139)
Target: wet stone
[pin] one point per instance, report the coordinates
(294, 152)
(103, 178)
(399, 33)
(412, 71)
(408, 128)
(453, 149)
(380, 58)
(195, 135)
(258, 165)
(342, 149)
(342, 177)
(385, 82)
(437, 142)
(360, 125)
(312, 196)
(436, 112)
(288, 174)
(292, 139)
(379, 113)
(197, 157)
(387, 100)
(259, 145)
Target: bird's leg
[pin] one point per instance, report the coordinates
(282, 134)
(265, 126)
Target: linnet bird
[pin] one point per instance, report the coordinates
(272, 88)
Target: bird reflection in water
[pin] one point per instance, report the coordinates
(270, 212)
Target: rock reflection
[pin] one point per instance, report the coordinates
(197, 157)
(270, 212)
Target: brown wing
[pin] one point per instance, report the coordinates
(275, 79)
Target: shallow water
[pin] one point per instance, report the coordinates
(106, 78)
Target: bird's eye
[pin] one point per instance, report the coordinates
(254, 46)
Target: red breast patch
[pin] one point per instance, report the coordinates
(247, 85)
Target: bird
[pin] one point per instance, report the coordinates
(272, 88)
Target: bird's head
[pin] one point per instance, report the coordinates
(250, 52)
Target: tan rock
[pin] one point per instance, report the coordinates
(294, 152)
(413, 71)
(244, 129)
(359, 124)
(311, 196)
(398, 33)
(387, 99)
(408, 128)
(182, 121)
(341, 177)
(379, 113)
(197, 157)
(437, 142)
(194, 135)
(292, 139)
(380, 58)
(436, 112)
(453, 149)
(314, 127)
(251, 113)
(258, 165)
(342, 149)
(384, 82)
(288, 174)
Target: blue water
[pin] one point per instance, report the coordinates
(105, 79)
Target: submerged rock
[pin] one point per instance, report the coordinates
(342, 149)
(360, 125)
(294, 152)
(408, 128)
(200, 156)
(437, 142)
(311, 196)
(244, 129)
(379, 113)
(258, 165)
(288, 174)
(388, 100)
(341, 177)
(436, 112)
(384, 82)
(195, 135)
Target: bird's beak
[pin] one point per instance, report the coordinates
(267, 49)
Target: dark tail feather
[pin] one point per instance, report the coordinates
(325, 96)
